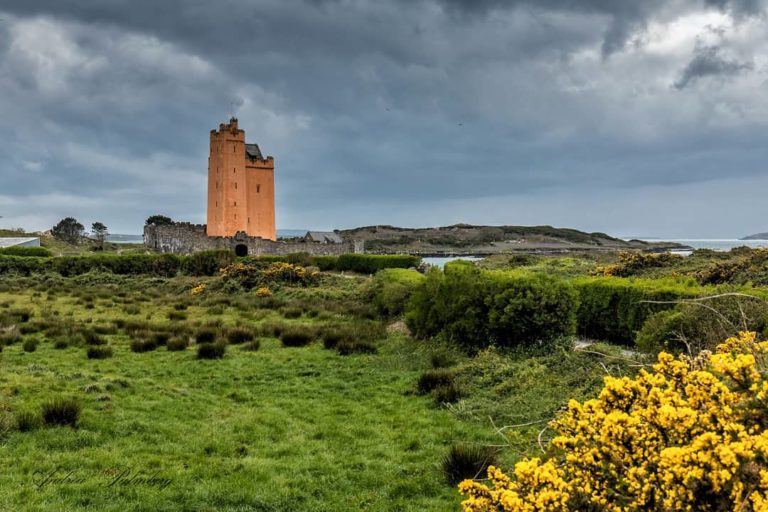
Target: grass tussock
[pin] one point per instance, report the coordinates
(101, 352)
(211, 350)
(27, 421)
(206, 336)
(143, 345)
(61, 412)
(433, 379)
(297, 336)
(252, 346)
(467, 461)
(238, 335)
(177, 344)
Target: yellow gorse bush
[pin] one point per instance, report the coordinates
(263, 292)
(253, 275)
(632, 262)
(690, 435)
(197, 290)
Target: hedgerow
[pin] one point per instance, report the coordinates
(372, 263)
(29, 252)
(615, 309)
(161, 265)
(206, 263)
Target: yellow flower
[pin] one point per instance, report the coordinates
(263, 292)
(689, 435)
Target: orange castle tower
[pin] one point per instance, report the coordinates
(241, 186)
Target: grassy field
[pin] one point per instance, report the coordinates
(279, 428)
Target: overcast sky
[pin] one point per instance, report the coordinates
(633, 117)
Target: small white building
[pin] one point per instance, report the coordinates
(17, 241)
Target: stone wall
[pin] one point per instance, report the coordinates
(186, 238)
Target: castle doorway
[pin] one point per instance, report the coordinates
(241, 250)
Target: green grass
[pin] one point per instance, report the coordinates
(278, 429)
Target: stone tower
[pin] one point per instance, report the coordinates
(241, 186)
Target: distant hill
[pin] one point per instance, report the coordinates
(758, 236)
(466, 239)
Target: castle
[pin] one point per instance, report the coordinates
(241, 207)
(243, 199)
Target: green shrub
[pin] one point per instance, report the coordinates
(98, 352)
(434, 378)
(160, 265)
(614, 309)
(207, 263)
(442, 359)
(297, 336)
(527, 308)
(303, 259)
(392, 288)
(27, 421)
(177, 344)
(372, 263)
(30, 345)
(27, 252)
(658, 330)
(699, 325)
(239, 335)
(211, 350)
(476, 308)
(467, 461)
(325, 263)
(61, 411)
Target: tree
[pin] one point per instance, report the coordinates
(100, 233)
(159, 220)
(68, 230)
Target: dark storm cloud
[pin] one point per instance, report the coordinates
(708, 62)
(381, 107)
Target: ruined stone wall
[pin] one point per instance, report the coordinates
(186, 238)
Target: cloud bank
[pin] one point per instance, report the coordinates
(404, 112)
